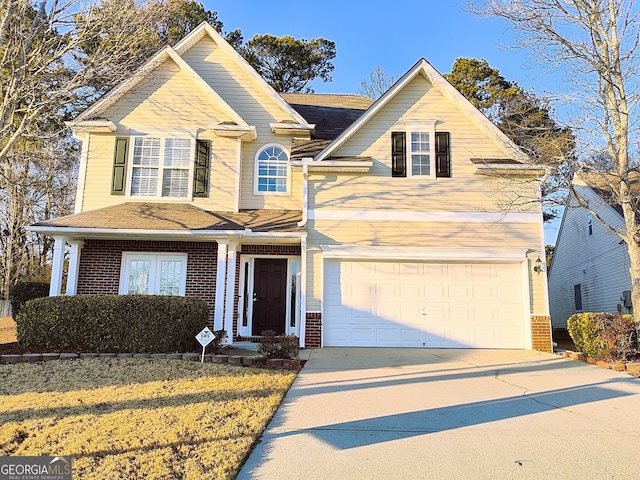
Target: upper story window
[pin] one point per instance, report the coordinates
(272, 170)
(172, 167)
(425, 145)
(590, 224)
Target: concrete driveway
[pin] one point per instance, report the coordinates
(363, 413)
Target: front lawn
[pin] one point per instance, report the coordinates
(138, 418)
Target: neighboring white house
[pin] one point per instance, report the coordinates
(590, 268)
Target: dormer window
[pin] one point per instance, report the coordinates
(272, 170)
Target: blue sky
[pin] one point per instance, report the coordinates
(393, 35)
(382, 33)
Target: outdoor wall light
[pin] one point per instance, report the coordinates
(538, 267)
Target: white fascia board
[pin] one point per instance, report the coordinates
(479, 254)
(509, 169)
(139, 233)
(421, 216)
(91, 126)
(284, 128)
(235, 131)
(224, 45)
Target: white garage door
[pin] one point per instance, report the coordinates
(415, 304)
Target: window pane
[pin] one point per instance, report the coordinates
(177, 152)
(144, 181)
(139, 277)
(146, 151)
(420, 165)
(272, 169)
(170, 277)
(175, 183)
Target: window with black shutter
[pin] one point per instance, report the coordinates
(201, 169)
(443, 157)
(398, 154)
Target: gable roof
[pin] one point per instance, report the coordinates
(330, 113)
(424, 68)
(175, 53)
(601, 183)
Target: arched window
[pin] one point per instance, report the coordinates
(272, 170)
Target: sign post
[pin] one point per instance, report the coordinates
(205, 337)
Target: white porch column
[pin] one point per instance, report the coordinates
(55, 287)
(231, 290)
(218, 318)
(74, 266)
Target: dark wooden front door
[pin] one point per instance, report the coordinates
(269, 295)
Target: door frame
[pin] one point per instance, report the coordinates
(245, 290)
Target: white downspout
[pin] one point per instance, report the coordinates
(305, 193)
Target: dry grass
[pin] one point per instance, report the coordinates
(7, 330)
(138, 418)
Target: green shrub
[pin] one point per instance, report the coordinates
(278, 346)
(22, 292)
(603, 335)
(113, 323)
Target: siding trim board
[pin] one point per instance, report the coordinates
(414, 216)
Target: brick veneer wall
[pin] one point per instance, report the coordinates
(541, 333)
(313, 332)
(100, 263)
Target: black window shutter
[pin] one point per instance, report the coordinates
(443, 157)
(119, 178)
(201, 170)
(398, 154)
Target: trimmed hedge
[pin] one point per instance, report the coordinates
(22, 292)
(603, 335)
(113, 323)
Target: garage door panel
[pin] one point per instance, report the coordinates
(378, 303)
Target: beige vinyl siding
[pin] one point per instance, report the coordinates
(464, 191)
(421, 234)
(97, 187)
(247, 97)
(598, 262)
(167, 98)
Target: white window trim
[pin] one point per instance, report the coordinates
(163, 137)
(256, 172)
(427, 126)
(125, 269)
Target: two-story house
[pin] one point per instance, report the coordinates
(343, 222)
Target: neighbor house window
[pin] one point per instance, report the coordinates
(577, 297)
(428, 154)
(153, 274)
(173, 167)
(272, 170)
(590, 224)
